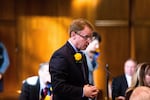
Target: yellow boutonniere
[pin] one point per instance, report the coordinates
(47, 97)
(78, 57)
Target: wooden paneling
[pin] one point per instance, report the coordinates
(7, 9)
(43, 7)
(129, 39)
(142, 43)
(114, 50)
(38, 38)
(33, 29)
(112, 22)
(141, 31)
(110, 9)
(8, 37)
(141, 9)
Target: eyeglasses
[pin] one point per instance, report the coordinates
(86, 37)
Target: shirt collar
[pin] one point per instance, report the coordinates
(73, 46)
(128, 80)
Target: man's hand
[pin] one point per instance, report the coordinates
(90, 91)
(120, 98)
(1, 76)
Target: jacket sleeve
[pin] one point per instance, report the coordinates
(115, 88)
(24, 95)
(59, 73)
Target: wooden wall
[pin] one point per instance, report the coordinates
(33, 29)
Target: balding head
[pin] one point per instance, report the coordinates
(141, 93)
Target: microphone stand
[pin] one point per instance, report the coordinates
(107, 81)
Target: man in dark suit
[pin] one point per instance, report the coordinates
(32, 87)
(122, 82)
(68, 67)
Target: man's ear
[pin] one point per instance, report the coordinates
(72, 33)
(39, 72)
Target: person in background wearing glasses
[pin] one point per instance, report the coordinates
(68, 66)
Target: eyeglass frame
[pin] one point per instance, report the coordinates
(86, 37)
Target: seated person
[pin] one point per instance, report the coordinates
(4, 63)
(32, 87)
(121, 83)
(140, 78)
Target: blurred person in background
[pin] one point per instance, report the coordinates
(92, 53)
(122, 82)
(141, 93)
(140, 78)
(4, 63)
(37, 87)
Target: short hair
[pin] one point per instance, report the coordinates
(97, 36)
(140, 93)
(79, 24)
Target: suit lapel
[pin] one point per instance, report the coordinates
(37, 89)
(124, 83)
(85, 69)
(82, 66)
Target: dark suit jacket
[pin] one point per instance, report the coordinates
(119, 86)
(67, 75)
(30, 91)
